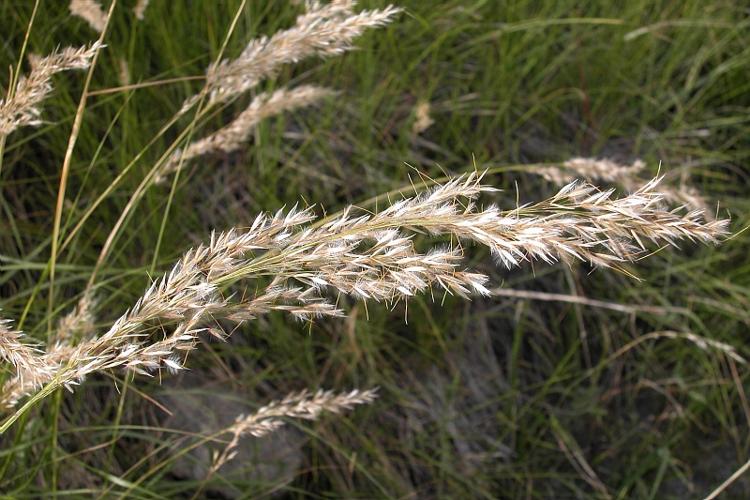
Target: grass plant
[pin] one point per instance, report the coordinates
(523, 223)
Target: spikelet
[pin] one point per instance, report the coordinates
(422, 119)
(14, 350)
(32, 370)
(139, 11)
(593, 169)
(79, 323)
(22, 108)
(238, 132)
(302, 405)
(90, 11)
(123, 72)
(625, 176)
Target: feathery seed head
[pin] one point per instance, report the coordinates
(22, 108)
(366, 256)
(90, 11)
(323, 30)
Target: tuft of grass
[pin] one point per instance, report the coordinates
(500, 396)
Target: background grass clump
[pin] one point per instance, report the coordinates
(500, 397)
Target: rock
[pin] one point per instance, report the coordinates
(262, 465)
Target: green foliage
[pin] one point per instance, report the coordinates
(493, 398)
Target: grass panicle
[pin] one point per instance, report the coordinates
(234, 135)
(302, 405)
(627, 177)
(323, 30)
(367, 256)
(22, 107)
(90, 11)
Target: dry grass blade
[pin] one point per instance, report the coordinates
(585, 301)
(731, 479)
(704, 343)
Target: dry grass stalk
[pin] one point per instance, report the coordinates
(302, 405)
(90, 11)
(239, 131)
(22, 107)
(367, 256)
(626, 177)
(585, 301)
(323, 30)
(140, 9)
(704, 343)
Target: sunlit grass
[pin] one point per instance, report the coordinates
(496, 397)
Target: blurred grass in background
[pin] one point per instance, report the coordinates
(492, 398)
